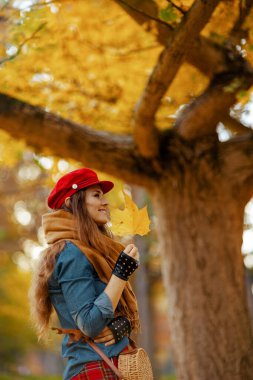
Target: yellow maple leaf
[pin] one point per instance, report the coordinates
(131, 220)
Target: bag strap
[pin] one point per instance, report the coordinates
(75, 335)
(105, 358)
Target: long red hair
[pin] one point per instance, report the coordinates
(89, 233)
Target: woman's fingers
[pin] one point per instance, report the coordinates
(110, 342)
(135, 253)
(128, 248)
(104, 332)
(104, 338)
(132, 251)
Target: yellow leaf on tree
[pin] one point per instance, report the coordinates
(131, 220)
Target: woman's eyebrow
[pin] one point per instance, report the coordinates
(98, 191)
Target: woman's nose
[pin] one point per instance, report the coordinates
(105, 201)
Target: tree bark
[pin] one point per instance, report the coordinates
(200, 225)
(198, 208)
(200, 214)
(164, 72)
(47, 132)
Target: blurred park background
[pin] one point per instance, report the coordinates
(88, 62)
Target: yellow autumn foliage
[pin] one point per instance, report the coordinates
(91, 66)
(10, 151)
(131, 220)
(88, 61)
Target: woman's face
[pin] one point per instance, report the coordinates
(97, 205)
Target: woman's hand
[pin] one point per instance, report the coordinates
(106, 337)
(132, 251)
(127, 262)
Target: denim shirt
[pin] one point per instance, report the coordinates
(78, 297)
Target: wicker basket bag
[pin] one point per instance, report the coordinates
(135, 365)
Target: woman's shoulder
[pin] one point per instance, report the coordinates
(72, 258)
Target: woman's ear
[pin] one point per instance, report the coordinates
(67, 202)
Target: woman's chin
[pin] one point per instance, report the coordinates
(102, 222)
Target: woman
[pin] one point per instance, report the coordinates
(84, 276)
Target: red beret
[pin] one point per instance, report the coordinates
(72, 182)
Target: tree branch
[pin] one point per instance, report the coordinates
(6, 59)
(235, 125)
(145, 13)
(207, 56)
(177, 7)
(201, 117)
(237, 33)
(104, 151)
(236, 159)
(31, 6)
(163, 74)
(117, 51)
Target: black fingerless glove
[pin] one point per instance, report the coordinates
(120, 327)
(125, 266)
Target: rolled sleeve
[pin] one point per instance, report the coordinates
(104, 304)
(75, 275)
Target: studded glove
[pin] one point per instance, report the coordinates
(125, 266)
(120, 327)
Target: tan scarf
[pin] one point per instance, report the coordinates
(60, 225)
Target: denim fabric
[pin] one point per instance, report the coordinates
(80, 302)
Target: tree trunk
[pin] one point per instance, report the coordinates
(200, 226)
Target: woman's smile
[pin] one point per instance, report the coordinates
(97, 205)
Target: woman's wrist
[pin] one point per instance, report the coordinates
(120, 327)
(114, 289)
(125, 266)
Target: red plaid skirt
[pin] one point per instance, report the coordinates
(98, 370)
